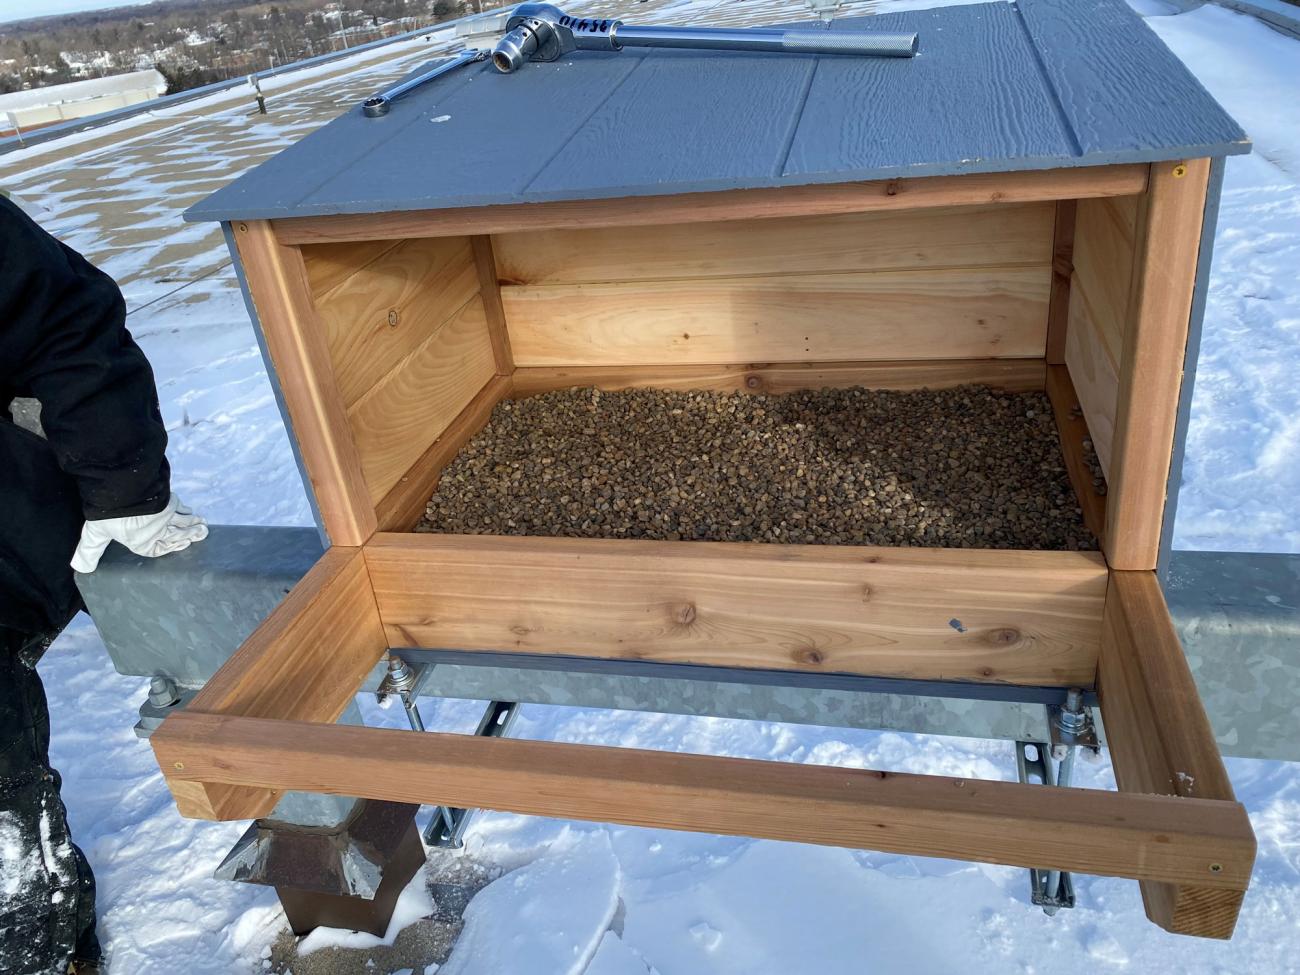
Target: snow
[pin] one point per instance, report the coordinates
(413, 903)
(548, 916)
(620, 901)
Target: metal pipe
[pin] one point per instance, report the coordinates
(543, 32)
(856, 43)
(378, 105)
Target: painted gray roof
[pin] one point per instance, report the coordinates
(996, 87)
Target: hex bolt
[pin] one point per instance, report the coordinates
(1073, 717)
(162, 691)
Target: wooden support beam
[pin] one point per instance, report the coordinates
(1058, 304)
(486, 265)
(1073, 430)
(1106, 833)
(891, 194)
(1014, 375)
(1161, 743)
(305, 663)
(1028, 618)
(1151, 365)
(295, 339)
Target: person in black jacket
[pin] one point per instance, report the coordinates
(98, 475)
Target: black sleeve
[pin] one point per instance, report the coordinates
(63, 340)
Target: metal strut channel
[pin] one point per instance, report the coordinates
(448, 823)
(1072, 728)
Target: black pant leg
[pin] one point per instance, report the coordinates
(47, 891)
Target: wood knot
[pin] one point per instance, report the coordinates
(871, 559)
(867, 593)
(892, 188)
(809, 655)
(1002, 637)
(394, 317)
(520, 630)
(753, 382)
(685, 614)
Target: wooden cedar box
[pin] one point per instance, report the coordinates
(393, 333)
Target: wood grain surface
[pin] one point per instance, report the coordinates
(304, 662)
(888, 240)
(1089, 831)
(954, 313)
(1161, 743)
(397, 420)
(378, 315)
(295, 339)
(1151, 365)
(1008, 617)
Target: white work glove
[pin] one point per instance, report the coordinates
(170, 530)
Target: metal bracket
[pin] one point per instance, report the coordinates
(403, 679)
(1071, 725)
(448, 824)
(1049, 889)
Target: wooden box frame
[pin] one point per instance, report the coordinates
(333, 295)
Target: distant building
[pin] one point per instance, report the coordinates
(38, 107)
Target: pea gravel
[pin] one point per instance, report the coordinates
(969, 467)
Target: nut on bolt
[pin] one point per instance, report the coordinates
(162, 691)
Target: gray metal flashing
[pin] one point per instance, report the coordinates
(184, 615)
(997, 87)
(1191, 356)
(1238, 616)
(273, 377)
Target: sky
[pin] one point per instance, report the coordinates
(22, 9)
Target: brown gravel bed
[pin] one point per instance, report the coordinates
(969, 467)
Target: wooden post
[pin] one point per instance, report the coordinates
(1058, 304)
(486, 264)
(277, 279)
(1151, 366)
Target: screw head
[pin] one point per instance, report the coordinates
(179, 766)
(1216, 868)
(242, 228)
(1180, 171)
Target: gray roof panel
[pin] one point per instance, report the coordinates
(975, 93)
(996, 87)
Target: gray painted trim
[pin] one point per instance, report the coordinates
(274, 378)
(1191, 357)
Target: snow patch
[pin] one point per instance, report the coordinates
(546, 918)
